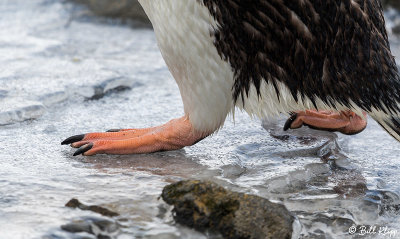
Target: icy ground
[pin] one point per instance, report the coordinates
(65, 72)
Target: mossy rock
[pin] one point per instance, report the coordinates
(207, 206)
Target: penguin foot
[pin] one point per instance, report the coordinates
(173, 135)
(346, 122)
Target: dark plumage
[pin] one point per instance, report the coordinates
(334, 50)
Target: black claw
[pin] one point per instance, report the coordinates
(113, 130)
(289, 121)
(73, 139)
(84, 149)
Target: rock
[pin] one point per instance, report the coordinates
(110, 86)
(124, 9)
(131, 9)
(77, 227)
(99, 227)
(207, 206)
(74, 203)
(392, 3)
(396, 29)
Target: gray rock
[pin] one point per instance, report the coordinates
(131, 8)
(125, 9)
(77, 227)
(99, 227)
(207, 206)
(391, 3)
(110, 86)
(396, 29)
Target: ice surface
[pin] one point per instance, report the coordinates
(67, 73)
(16, 110)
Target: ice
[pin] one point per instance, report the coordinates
(73, 74)
(54, 98)
(16, 110)
(3, 93)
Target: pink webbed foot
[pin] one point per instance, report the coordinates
(346, 122)
(173, 135)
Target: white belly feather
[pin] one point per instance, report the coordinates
(183, 29)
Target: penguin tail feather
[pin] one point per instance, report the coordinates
(390, 122)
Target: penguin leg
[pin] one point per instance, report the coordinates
(173, 135)
(346, 122)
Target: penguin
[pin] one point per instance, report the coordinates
(325, 62)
